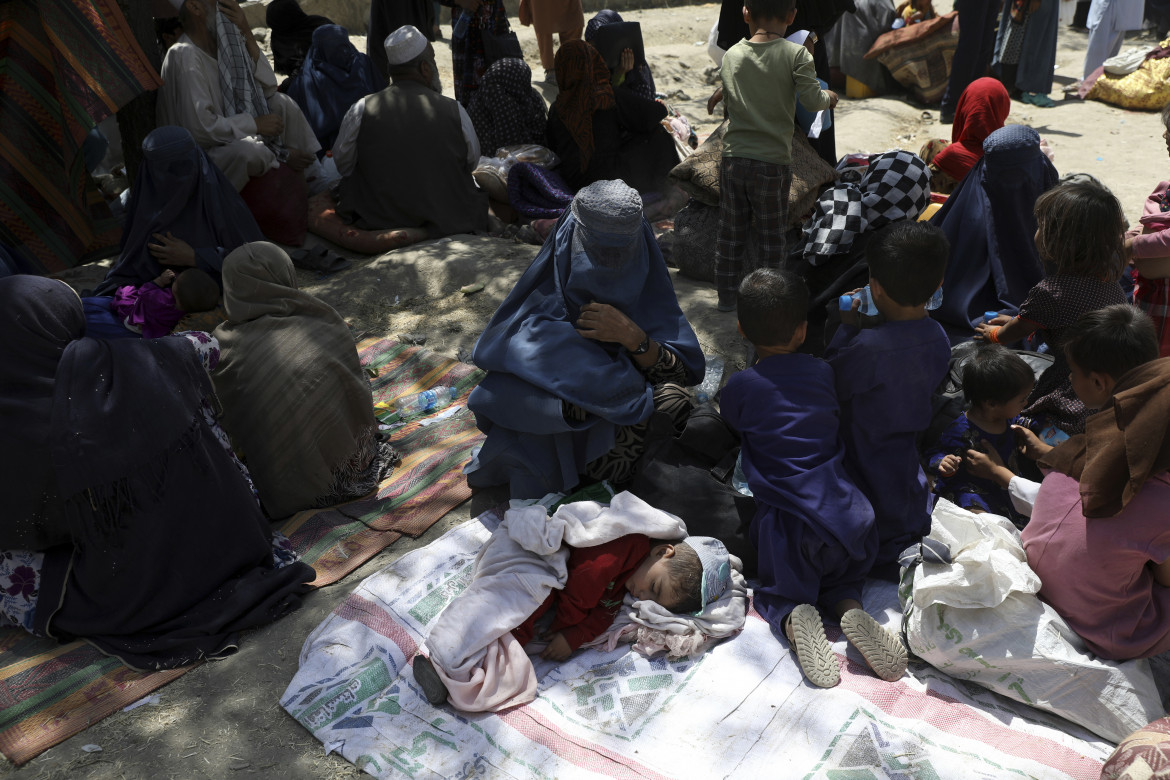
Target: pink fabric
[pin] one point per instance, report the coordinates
(1096, 572)
(1154, 238)
(150, 309)
(504, 679)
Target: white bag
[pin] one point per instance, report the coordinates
(979, 619)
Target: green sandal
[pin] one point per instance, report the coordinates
(1037, 99)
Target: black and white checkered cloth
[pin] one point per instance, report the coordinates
(896, 186)
(237, 82)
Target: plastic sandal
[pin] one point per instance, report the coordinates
(1037, 99)
(882, 650)
(813, 652)
(428, 679)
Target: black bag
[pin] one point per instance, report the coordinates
(689, 475)
(500, 45)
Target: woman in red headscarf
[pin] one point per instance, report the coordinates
(982, 109)
(600, 133)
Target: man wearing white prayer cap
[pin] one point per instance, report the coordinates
(406, 153)
(220, 87)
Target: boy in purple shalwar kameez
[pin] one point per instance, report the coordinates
(886, 376)
(813, 530)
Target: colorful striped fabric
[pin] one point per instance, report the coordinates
(50, 692)
(64, 66)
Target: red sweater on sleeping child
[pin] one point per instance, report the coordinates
(593, 592)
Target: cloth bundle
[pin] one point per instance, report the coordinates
(896, 186)
(471, 643)
(537, 192)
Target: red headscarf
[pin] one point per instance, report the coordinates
(982, 109)
(583, 79)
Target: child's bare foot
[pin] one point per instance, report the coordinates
(806, 633)
(882, 650)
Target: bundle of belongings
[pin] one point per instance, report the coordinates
(697, 224)
(919, 56)
(594, 574)
(1147, 87)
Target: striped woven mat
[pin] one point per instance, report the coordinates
(49, 692)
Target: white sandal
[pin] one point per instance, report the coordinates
(882, 650)
(813, 652)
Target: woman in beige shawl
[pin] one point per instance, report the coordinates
(295, 398)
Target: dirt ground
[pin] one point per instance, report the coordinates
(224, 719)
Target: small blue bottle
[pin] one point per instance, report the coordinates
(867, 308)
(988, 316)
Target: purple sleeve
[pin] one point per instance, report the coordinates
(1156, 244)
(155, 311)
(729, 400)
(953, 438)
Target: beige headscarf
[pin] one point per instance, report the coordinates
(295, 398)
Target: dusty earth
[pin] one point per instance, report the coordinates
(224, 719)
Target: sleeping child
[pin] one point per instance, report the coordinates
(996, 383)
(813, 528)
(584, 567)
(157, 306)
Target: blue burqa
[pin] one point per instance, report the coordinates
(989, 223)
(535, 359)
(333, 77)
(179, 190)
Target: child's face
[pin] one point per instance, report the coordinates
(651, 581)
(1011, 409)
(1092, 387)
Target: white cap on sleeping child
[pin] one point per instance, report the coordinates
(716, 566)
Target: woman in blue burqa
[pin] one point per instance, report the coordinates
(990, 223)
(589, 344)
(182, 213)
(333, 77)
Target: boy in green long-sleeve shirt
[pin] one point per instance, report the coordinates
(763, 76)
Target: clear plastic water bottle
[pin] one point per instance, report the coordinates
(425, 402)
(935, 300)
(867, 308)
(711, 378)
(738, 478)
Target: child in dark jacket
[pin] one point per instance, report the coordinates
(813, 529)
(885, 378)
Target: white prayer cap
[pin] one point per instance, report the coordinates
(404, 44)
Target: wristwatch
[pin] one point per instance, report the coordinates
(643, 348)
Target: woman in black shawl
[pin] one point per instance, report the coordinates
(127, 522)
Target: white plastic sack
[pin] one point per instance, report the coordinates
(1127, 61)
(713, 50)
(979, 619)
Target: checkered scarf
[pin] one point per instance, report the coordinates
(896, 186)
(237, 82)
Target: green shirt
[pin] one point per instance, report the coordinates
(761, 82)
